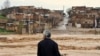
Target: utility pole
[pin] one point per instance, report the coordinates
(29, 17)
(95, 26)
(63, 8)
(40, 19)
(28, 23)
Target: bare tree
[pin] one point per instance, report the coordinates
(6, 4)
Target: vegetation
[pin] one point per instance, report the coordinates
(4, 31)
(69, 13)
(2, 17)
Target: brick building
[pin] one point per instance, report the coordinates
(27, 19)
(85, 16)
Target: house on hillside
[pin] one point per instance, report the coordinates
(3, 23)
(29, 19)
(83, 16)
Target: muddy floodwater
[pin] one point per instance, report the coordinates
(69, 45)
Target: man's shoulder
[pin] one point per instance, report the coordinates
(49, 40)
(53, 42)
(40, 42)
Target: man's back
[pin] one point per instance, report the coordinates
(48, 47)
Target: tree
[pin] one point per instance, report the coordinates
(69, 12)
(6, 4)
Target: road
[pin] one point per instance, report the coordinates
(62, 24)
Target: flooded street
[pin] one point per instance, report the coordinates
(62, 24)
(69, 45)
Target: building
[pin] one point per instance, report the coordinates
(29, 19)
(84, 16)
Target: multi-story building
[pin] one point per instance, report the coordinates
(85, 16)
(28, 19)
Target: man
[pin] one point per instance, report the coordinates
(47, 47)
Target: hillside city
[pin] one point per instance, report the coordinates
(75, 29)
(31, 19)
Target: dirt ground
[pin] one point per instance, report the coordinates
(69, 45)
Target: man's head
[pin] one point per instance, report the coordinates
(47, 34)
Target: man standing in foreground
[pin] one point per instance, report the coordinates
(47, 47)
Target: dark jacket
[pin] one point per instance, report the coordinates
(48, 47)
